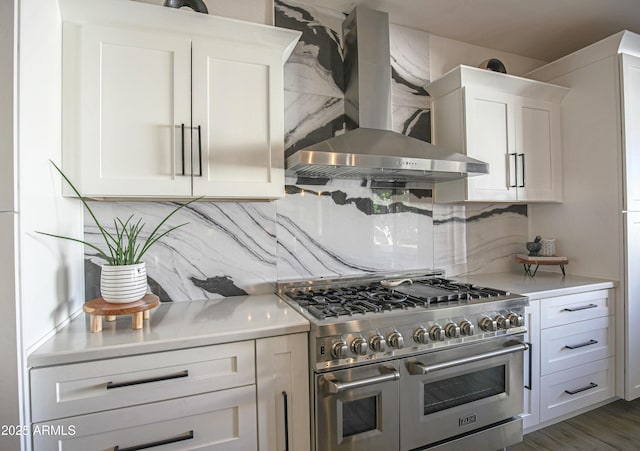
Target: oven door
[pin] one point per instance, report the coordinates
(450, 393)
(357, 409)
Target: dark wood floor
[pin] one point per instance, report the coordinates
(615, 426)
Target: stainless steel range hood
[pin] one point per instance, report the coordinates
(370, 149)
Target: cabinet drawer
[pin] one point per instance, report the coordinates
(565, 347)
(576, 307)
(67, 390)
(223, 420)
(566, 391)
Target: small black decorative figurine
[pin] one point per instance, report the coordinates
(196, 5)
(534, 246)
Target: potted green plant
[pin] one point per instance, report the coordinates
(124, 277)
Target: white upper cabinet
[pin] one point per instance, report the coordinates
(167, 103)
(511, 123)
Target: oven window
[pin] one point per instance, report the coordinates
(359, 416)
(455, 391)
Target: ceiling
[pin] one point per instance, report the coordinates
(540, 29)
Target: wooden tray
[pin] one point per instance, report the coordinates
(98, 307)
(529, 260)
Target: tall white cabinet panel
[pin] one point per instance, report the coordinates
(631, 131)
(512, 123)
(134, 92)
(283, 393)
(236, 102)
(632, 295)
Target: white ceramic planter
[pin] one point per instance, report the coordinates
(122, 284)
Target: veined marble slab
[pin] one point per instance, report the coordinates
(410, 66)
(338, 230)
(310, 118)
(471, 239)
(226, 248)
(316, 65)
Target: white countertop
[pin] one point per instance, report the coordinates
(172, 325)
(543, 285)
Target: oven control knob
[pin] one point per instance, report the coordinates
(359, 346)
(466, 328)
(503, 323)
(378, 343)
(436, 333)
(488, 325)
(395, 340)
(452, 330)
(339, 349)
(421, 336)
(515, 319)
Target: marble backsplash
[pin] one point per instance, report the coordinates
(232, 248)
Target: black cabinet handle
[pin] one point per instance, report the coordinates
(521, 155)
(111, 385)
(286, 420)
(182, 147)
(199, 151)
(179, 438)
(530, 385)
(582, 307)
(578, 390)
(582, 345)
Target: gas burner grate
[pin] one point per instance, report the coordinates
(328, 302)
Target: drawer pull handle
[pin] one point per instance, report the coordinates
(286, 420)
(176, 439)
(184, 373)
(578, 390)
(582, 307)
(582, 345)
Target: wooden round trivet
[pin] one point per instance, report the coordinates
(98, 307)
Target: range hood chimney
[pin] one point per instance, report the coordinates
(370, 149)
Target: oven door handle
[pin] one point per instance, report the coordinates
(417, 368)
(334, 386)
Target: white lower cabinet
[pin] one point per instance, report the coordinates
(572, 355)
(217, 397)
(218, 421)
(283, 393)
(567, 391)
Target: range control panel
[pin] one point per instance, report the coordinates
(387, 342)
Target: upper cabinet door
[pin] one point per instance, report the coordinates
(512, 123)
(123, 123)
(238, 105)
(490, 123)
(538, 148)
(631, 131)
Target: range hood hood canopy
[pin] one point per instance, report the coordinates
(373, 151)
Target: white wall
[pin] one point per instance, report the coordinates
(445, 54)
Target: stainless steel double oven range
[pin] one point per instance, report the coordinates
(412, 361)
